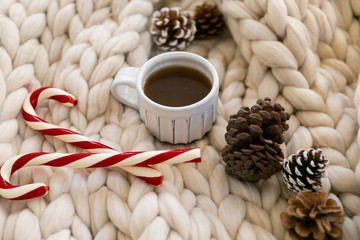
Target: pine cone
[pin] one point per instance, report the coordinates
(172, 29)
(209, 21)
(304, 170)
(253, 137)
(313, 216)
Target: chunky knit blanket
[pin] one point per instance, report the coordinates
(304, 54)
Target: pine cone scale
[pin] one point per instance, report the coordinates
(237, 154)
(255, 130)
(320, 233)
(256, 148)
(247, 152)
(335, 232)
(266, 115)
(325, 222)
(302, 230)
(307, 201)
(255, 118)
(260, 155)
(287, 221)
(241, 124)
(244, 137)
(266, 141)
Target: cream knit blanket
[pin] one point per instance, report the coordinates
(304, 54)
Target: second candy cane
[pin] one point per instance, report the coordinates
(83, 160)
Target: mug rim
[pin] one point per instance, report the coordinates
(177, 55)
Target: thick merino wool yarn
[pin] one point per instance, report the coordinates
(304, 55)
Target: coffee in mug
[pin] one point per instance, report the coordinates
(177, 86)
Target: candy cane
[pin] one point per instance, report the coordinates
(85, 160)
(62, 134)
(76, 139)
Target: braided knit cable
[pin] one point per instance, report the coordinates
(303, 54)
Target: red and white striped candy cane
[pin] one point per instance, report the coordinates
(72, 137)
(85, 160)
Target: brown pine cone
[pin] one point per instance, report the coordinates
(313, 216)
(209, 21)
(253, 137)
(172, 29)
(304, 170)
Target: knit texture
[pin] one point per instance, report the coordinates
(304, 55)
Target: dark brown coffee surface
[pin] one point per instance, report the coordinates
(177, 86)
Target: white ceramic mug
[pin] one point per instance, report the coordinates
(169, 124)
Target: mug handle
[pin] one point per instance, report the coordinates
(123, 87)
